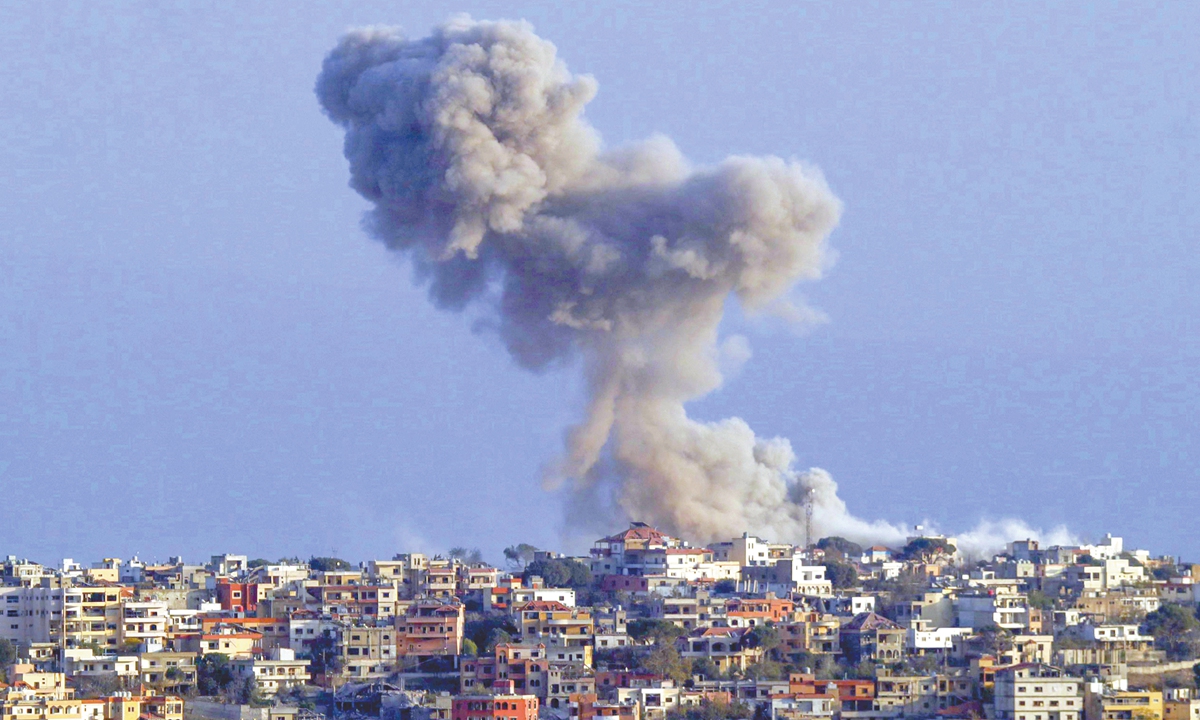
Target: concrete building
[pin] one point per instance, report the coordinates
(1037, 692)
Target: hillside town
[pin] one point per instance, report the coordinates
(645, 627)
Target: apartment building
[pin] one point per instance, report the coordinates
(30, 613)
(553, 622)
(429, 629)
(368, 651)
(495, 707)
(1037, 692)
(94, 616)
(280, 670)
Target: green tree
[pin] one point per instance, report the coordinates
(924, 549)
(498, 636)
(1175, 630)
(840, 546)
(705, 668)
(666, 661)
(8, 652)
(560, 572)
(520, 555)
(842, 575)
(258, 562)
(1040, 600)
(764, 637)
(214, 674)
(995, 639)
(327, 564)
(94, 686)
(725, 587)
(651, 629)
(765, 670)
(469, 647)
(709, 709)
(479, 629)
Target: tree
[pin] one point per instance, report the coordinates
(842, 575)
(1175, 629)
(479, 629)
(841, 546)
(666, 661)
(520, 555)
(710, 709)
(327, 564)
(725, 587)
(8, 652)
(470, 556)
(497, 636)
(1040, 600)
(995, 639)
(469, 647)
(93, 686)
(214, 674)
(258, 562)
(249, 693)
(658, 631)
(764, 637)
(560, 572)
(705, 668)
(1171, 621)
(925, 549)
(765, 670)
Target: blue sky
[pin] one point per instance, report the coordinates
(201, 351)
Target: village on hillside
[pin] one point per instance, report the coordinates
(645, 627)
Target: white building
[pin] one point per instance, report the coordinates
(1037, 692)
(28, 614)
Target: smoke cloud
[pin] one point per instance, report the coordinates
(472, 147)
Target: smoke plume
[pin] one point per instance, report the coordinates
(472, 147)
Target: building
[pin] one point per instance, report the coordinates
(1181, 704)
(870, 636)
(1037, 692)
(553, 622)
(429, 629)
(495, 707)
(279, 671)
(1103, 703)
(368, 651)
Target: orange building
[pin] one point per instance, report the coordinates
(524, 666)
(761, 609)
(495, 707)
(428, 629)
(237, 597)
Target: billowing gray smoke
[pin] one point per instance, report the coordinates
(472, 147)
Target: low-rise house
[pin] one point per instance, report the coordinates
(279, 671)
(172, 672)
(1103, 703)
(1181, 704)
(870, 636)
(907, 695)
(553, 622)
(726, 647)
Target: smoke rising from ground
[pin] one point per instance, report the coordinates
(472, 146)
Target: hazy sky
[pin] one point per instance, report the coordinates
(201, 351)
